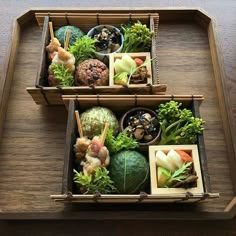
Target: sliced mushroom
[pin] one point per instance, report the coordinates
(139, 132)
(148, 137)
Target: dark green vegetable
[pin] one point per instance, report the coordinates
(62, 76)
(60, 34)
(137, 38)
(178, 126)
(98, 182)
(83, 49)
(120, 142)
(130, 171)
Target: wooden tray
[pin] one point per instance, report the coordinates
(33, 137)
(85, 21)
(82, 103)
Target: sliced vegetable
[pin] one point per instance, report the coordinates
(174, 158)
(163, 176)
(184, 156)
(138, 61)
(121, 78)
(129, 61)
(119, 66)
(125, 64)
(162, 161)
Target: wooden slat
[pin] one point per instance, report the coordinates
(85, 21)
(224, 102)
(7, 75)
(53, 94)
(43, 55)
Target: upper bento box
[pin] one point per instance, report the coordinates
(141, 77)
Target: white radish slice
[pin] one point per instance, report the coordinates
(174, 158)
(117, 66)
(161, 160)
(121, 66)
(128, 60)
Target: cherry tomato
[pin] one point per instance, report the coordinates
(138, 61)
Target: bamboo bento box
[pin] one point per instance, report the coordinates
(151, 194)
(52, 95)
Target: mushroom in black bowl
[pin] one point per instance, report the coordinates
(142, 124)
(109, 40)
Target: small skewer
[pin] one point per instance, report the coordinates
(51, 30)
(68, 32)
(79, 124)
(104, 133)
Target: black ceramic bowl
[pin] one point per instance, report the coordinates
(133, 112)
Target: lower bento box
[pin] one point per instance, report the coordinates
(148, 188)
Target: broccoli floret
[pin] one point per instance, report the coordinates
(178, 126)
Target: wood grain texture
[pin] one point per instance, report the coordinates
(226, 25)
(184, 56)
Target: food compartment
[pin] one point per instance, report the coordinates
(130, 69)
(175, 169)
(70, 190)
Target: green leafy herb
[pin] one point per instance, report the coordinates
(181, 174)
(137, 38)
(62, 75)
(98, 182)
(122, 141)
(83, 49)
(178, 126)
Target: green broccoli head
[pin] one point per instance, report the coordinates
(178, 126)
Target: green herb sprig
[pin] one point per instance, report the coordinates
(100, 181)
(181, 174)
(120, 142)
(83, 49)
(137, 38)
(62, 75)
(178, 126)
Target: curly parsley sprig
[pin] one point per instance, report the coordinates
(62, 75)
(98, 182)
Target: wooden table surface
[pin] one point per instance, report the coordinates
(224, 12)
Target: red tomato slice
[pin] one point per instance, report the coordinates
(138, 61)
(184, 156)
